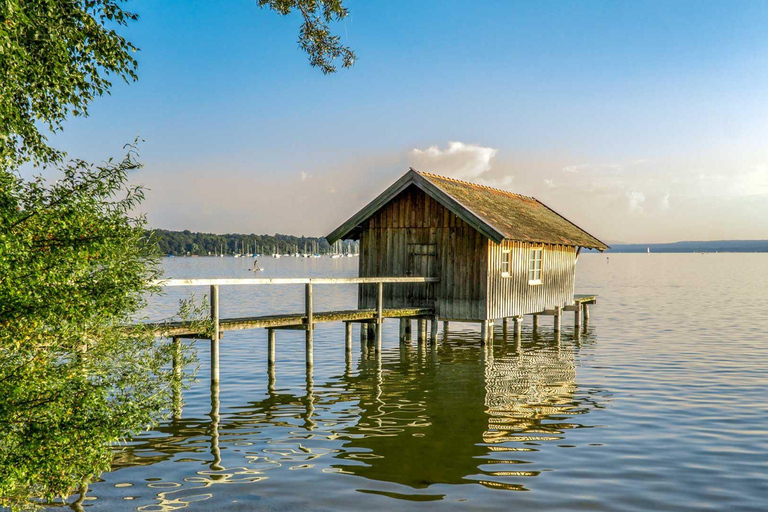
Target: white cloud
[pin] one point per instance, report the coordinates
(636, 200)
(549, 183)
(470, 162)
(305, 176)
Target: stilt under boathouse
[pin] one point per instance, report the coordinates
(496, 255)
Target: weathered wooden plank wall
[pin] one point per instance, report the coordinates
(512, 296)
(414, 235)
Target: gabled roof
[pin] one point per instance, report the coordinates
(497, 214)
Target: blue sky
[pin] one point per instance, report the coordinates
(641, 121)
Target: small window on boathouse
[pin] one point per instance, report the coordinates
(505, 263)
(534, 266)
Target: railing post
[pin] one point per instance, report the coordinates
(379, 313)
(310, 324)
(215, 335)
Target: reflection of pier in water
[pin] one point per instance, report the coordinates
(444, 414)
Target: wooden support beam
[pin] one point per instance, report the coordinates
(445, 327)
(348, 337)
(176, 358)
(485, 327)
(535, 322)
(301, 327)
(176, 380)
(586, 312)
(309, 324)
(433, 331)
(215, 334)
(421, 325)
(505, 325)
(518, 326)
(558, 318)
(403, 328)
(379, 313)
(270, 347)
(577, 317)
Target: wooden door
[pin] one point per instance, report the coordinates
(423, 262)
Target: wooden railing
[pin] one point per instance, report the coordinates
(308, 321)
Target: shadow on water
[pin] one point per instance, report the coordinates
(415, 416)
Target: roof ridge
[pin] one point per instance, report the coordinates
(463, 182)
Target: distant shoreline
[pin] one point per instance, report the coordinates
(713, 246)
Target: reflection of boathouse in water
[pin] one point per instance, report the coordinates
(426, 423)
(428, 415)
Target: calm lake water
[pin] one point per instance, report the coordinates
(662, 404)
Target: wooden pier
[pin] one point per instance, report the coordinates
(371, 320)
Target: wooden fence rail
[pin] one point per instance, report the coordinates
(305, 322)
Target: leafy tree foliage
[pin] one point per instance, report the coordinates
(56, 56)
(74, 265)
(74, 269)
(315, 37)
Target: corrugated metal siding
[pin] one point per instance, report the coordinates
(415, 235)
(512, 296)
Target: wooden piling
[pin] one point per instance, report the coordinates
(215, 334)
(421, 325)
(577, 316)
(348, 337)
(433, 331)
(484, 328)
(518, 326)
(535, 322)
(379, 314)
(585, 309)
(176, 381)
(408, 333)
(505, 325)
(309, 324)
(270, 347)
(403, 328)
(558, 318)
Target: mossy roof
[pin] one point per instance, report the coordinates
(498, 214)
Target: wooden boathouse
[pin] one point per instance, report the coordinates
(495, 254)
(431, 249)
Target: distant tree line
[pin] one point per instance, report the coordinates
(182, 243)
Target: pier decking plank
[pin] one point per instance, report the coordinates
(289, 320)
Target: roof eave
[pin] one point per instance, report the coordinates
(414, 177)
(368, 210)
